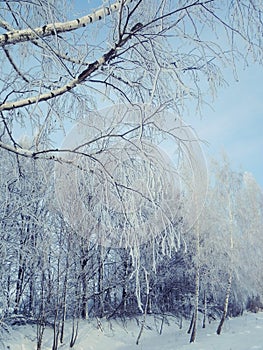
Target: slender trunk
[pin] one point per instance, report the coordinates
(126, 272)
(143, 321)
(161, 328)
(31, 296)
(100, 283)
(76, 313)
(84, 313)
(32, 287)
(145, 308)
(197, 284)
(94, 287)
(41, 322)
(124, 288)
(181, 322)
(74, 332)
(24, 232)
(64, 302)
(228, 290)
(55, 331)
(149, 309)
(205, 310)
(8, 303)
(193, 334)
(191, 323)
(19, 285)
(229, 282)
(83, 278)
(40, 331)
(57, 315)
(195, 314)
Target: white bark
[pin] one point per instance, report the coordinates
(42, 97)
(18, 36)
(226, 302)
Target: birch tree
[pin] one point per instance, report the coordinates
(250, 218)
(226, 189)
(57, 67)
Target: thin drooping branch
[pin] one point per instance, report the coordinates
(11, 61)
(18, 36)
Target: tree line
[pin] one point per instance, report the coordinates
(51, 273)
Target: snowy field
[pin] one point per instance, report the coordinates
(242, 333)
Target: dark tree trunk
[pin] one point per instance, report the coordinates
(205, 310)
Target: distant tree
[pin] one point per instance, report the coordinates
(229, 257)
(250, 221)
(224, 250)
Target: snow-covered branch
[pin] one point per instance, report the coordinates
(30, 34)
(71, 84)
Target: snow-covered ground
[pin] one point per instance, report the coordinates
(242, 333)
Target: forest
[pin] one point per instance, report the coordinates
(51, 272)
(108, 206)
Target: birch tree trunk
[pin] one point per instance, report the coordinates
(230, 186)
(64, 299)
(100, 282)
(195, 315)
(197, 282)
(205, 310)
(228, 291)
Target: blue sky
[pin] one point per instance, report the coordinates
(235, 125)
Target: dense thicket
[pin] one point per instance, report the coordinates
(50, 272)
